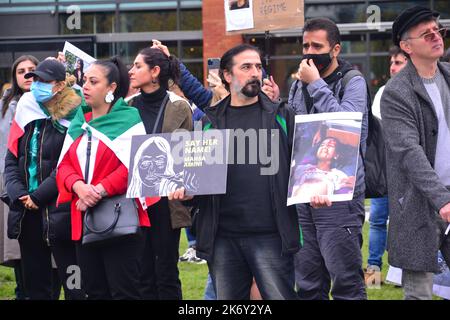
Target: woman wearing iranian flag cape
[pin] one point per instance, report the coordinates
(34, 144)
(109, 271)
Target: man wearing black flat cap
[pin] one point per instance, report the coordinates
(415, 108)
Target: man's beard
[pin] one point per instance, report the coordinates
(251, 88)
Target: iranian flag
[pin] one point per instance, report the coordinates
(115, 130)
(28, 110)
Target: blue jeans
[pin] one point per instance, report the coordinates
(190, 238)
(379, 213)
(210, 292)
(236, 261)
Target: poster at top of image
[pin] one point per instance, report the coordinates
(238, 14)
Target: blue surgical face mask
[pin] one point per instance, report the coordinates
(42, 91)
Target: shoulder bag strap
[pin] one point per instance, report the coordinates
(88, 156)
(160, 113)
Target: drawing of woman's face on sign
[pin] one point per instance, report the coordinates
(152, 165)
(164, 162)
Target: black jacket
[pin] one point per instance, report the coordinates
(56, 221)
(207, 218)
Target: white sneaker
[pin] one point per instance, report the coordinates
(195, 259)
(190, 252)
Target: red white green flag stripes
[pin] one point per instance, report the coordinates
(115, 129)
(28, 110)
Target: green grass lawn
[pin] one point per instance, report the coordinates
(386, 291)
(193, 278)
(7, 283)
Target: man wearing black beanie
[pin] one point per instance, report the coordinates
(415, 108)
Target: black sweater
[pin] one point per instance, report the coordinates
(148, 105)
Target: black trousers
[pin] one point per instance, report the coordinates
(331, 253)
(160, 276)
(20, 290)
(111, 271)
(65, 256)
(40, 280)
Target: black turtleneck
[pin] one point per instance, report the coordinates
(148, 105)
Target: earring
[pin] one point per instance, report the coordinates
(154, 81)
(109, 97)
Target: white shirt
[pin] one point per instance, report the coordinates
(81, 154)
(376, 108)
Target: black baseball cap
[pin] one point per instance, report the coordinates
(49, 70)
(409, 18)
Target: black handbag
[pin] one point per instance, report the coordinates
(112, 218)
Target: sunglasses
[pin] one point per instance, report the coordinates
(429, 36)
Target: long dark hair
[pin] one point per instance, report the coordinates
(79, 73)
(116, 72)
(169, 66)
(15, 90)
(81, 64)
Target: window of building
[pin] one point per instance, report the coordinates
(191, 19)
(164, 20)
(91, 23)
(192, 50)
(289, 46)
(196, 68)
(129, 50)
(354, 43)
(391, 9)
(441, 6)
(191, 53)
(339, 13)
(379, 72)
(283, 71)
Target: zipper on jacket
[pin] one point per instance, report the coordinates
(48, 227)
(20, 224)
(40, 174)
(272, 179)
(27, 140)
(40, 153)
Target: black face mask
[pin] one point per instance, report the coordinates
(322, 61)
